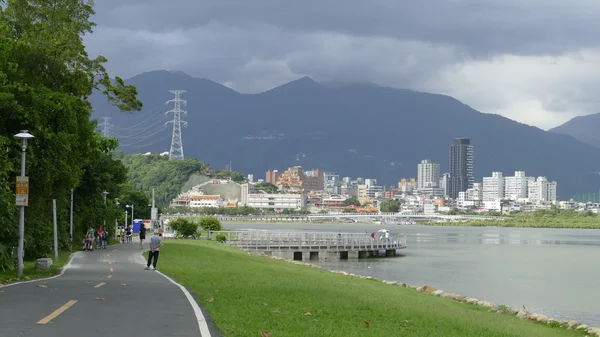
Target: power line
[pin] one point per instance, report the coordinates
(139, 140)
(155, 112)
(176, 152)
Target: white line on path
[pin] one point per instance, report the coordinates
(62, 271)
(204, 332)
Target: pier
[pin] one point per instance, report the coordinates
(314, 246)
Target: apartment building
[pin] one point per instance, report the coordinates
(428, 174)
(515, 187)
(540, 190)
(493, 187)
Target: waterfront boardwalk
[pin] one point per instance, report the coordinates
(102, 293)
(307, 246)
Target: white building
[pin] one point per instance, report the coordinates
(428, 174)
(540, 190)
(493, 187)
(444, 182)
(275, 201)
(475, 193)
(205, 201)
(515, 187)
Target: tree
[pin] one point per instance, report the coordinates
(390, 206)
(46, 77)
(210, 224)
(352, 202)
(266, 187)
(184, 227)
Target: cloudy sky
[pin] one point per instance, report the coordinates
(535, 61)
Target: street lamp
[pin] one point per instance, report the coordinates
(23, 136)
(131, 206)
(105, 194)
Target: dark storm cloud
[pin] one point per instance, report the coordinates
(482, 27)
(535, 61)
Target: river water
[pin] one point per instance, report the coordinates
(555, 272)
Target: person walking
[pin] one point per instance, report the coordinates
(155, 243)
(142, 235)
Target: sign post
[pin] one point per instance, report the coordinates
(22, 193)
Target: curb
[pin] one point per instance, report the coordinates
(62, 271)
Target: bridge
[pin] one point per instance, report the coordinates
(313, 246)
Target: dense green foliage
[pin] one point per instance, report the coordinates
(390, 206)
(553, 218)
(210, 224)
(167, 177)
(246, 294)
(45, 79)
(352, 202)
(266, 187)
(184, 227)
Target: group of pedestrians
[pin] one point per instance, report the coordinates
(99, 238)
(95, 238)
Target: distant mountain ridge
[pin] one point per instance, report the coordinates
(582, 128)
(354, 129)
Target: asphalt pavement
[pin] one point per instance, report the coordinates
(106, 293)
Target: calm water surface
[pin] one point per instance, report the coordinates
(555, 272)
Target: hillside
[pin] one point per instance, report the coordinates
(166, 177)
(582, 128)
(357, 129)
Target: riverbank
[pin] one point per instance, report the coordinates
(31, 273)
(247, 294)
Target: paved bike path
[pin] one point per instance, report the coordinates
(107, 292)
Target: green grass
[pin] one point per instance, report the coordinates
(246, 294)
(30, 272)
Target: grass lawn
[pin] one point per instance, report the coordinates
(248, 294)
(30, 272)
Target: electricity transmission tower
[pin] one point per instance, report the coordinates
(106, 126)
(176, 151)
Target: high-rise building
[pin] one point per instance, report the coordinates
(461, 167)
(428, 174)
(541, 190)
(515, 187)
(493, 187)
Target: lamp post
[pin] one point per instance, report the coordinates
(105, 194)
(23, 136)
(132, 218)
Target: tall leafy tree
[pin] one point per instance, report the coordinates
(46, 77)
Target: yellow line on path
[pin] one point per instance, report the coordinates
(109, 276)
(111, 270)
(99, 285)
(57, 312)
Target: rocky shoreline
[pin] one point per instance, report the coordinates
(433, 291)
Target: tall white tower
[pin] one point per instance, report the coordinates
(176, 151)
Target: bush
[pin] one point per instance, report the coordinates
(221, 238)
(184, 227)
(210, 224)
(7, 263)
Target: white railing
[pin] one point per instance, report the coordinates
(298, 241)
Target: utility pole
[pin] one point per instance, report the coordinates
(105, 193)
(55, 231)
(71, 218)
(176, 151)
